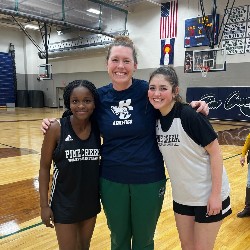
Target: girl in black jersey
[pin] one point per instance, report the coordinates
(190, 149)
(73, 144)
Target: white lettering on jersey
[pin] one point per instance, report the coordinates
(168, 140)
(82, 155)
(122, 122)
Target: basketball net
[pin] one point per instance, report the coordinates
(204, 70)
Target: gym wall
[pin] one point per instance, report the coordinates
(143, 27)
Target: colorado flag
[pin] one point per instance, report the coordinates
(167, 51)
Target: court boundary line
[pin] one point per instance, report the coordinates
(21, 230)
(23, 120)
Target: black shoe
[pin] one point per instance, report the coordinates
(244, 213)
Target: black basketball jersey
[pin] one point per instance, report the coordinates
(74, 191)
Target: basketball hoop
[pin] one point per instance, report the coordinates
(204, 70)
(45, 72)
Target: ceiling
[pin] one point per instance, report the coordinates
(72, 17)
(72, 12)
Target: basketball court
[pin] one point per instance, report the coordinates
(204, 62)
(20, 223)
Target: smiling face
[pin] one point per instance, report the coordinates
(82, 103)
(161, 94)
(121, 66)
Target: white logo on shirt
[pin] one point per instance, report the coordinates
(123, 109)
(69, 138)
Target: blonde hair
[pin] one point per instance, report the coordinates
(124, 41)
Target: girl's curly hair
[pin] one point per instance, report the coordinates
(77, 83)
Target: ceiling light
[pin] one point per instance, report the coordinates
(31, 26)
(95, 11)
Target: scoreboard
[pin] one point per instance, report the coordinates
(195, 32)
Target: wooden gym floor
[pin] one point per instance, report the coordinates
(20, 224)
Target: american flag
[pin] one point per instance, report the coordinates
(168, 23)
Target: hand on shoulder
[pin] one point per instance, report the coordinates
(46, 123)
(201, 107)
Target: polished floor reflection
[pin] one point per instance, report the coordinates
(20, 224)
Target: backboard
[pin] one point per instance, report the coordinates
(45, 72)
(215, 59)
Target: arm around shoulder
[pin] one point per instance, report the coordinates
(201, 107)
(46, 124)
